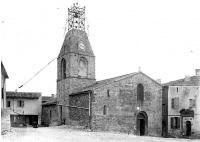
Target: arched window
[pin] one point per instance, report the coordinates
(63, 68)
(104, 110)
(140, 93)
(83, 67)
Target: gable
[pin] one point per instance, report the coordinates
(102, 83)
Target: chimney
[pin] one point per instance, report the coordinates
(197, 72)
(187, 78)
(158, 80)
(52, 95)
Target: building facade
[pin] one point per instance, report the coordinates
(5, 114)
(49, 111)
(130, 103)
(25, 108)
(183, 107)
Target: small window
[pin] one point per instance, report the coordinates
(192, 103)
(104, 110)
(177, 89)
(175, 103)
(108, 93)
(7, 103)
(20, 103)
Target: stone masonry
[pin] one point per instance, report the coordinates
(72, 53)
(123, 107)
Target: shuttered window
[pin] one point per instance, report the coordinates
(175, 103)
(20, 103)
(175, 122)
(192, 103)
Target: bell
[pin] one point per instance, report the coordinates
(76, 15)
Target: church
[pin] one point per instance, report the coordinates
(130, 103)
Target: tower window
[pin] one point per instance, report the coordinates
(104, 110)
(140, 94)
(83, 67)
(63, 68)
(108, 93)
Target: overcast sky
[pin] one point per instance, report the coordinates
(160, 36)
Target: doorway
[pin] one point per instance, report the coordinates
(142, 122)
(188, 128)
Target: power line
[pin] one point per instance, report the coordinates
(48, 63)
(37, 73)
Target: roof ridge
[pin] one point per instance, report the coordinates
(182, 80)
(117, 77)
(109, 82)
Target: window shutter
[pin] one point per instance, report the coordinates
(18, 103)
(194, 103)
(178, 125)
(172, 122)
(176, 102)
(22, 104)
(172, 102)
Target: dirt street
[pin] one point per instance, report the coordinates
(66, 134)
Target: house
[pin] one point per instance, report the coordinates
(130, 103)
(25, 108)
(5, 114)
(183, 109)
(49, 111)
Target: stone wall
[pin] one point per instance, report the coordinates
(5, 120)
(122, 105)
(79, 108)
(47, 118)
(184, 94)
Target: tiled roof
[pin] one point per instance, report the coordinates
(194, 81)
(46, 98)
(52, 101)
(30, 95)
(102, 83)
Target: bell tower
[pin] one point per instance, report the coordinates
(76, 61)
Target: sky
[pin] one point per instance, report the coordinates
(160, 36)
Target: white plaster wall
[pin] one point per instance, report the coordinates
(184, 93)
(31, 106)
(3, 85)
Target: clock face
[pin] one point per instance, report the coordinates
(81, 46)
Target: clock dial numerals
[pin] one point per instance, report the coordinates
(81, 46)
